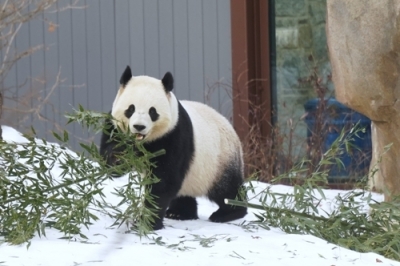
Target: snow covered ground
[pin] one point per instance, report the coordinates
(197, 242)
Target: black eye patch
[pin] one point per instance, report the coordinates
(129, 112)
(153, 114)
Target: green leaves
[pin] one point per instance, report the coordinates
(349, 224)
(47, 186)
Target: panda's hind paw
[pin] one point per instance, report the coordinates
(228, 214)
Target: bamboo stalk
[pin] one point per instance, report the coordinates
(272, 209)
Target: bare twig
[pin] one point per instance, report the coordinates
(13, 15)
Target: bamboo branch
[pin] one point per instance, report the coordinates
(272, 209)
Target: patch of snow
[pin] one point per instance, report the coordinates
(197, 242)
(12, 135)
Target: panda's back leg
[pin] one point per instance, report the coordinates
(182, 208)
(228, 187)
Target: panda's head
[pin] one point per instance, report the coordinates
(145, 106)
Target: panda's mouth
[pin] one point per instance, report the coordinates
(139, 136)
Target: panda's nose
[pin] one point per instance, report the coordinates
(139, 127)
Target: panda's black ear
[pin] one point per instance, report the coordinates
(168, 82)
(126, 76)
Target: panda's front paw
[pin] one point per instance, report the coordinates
(171, 214)
(158, 225)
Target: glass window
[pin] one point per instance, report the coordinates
(299, 52)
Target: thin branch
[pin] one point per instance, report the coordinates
(276, 210)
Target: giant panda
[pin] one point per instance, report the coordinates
(203, 154)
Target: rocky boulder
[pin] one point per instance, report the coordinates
(364, 48)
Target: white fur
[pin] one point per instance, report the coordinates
(215, 140)
(145, 92)
(216, 143)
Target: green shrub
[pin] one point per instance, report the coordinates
(33, 199)
(349, 225)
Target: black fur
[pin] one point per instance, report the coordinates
(168, 82)
(110, 147)
(173, 165)
(182, 208)
(126, 76)
(172, 168)
(227, 188)
(153, 114)
(129, 112)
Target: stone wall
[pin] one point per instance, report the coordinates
(300, 32)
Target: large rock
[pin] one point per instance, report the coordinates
(364, 48)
